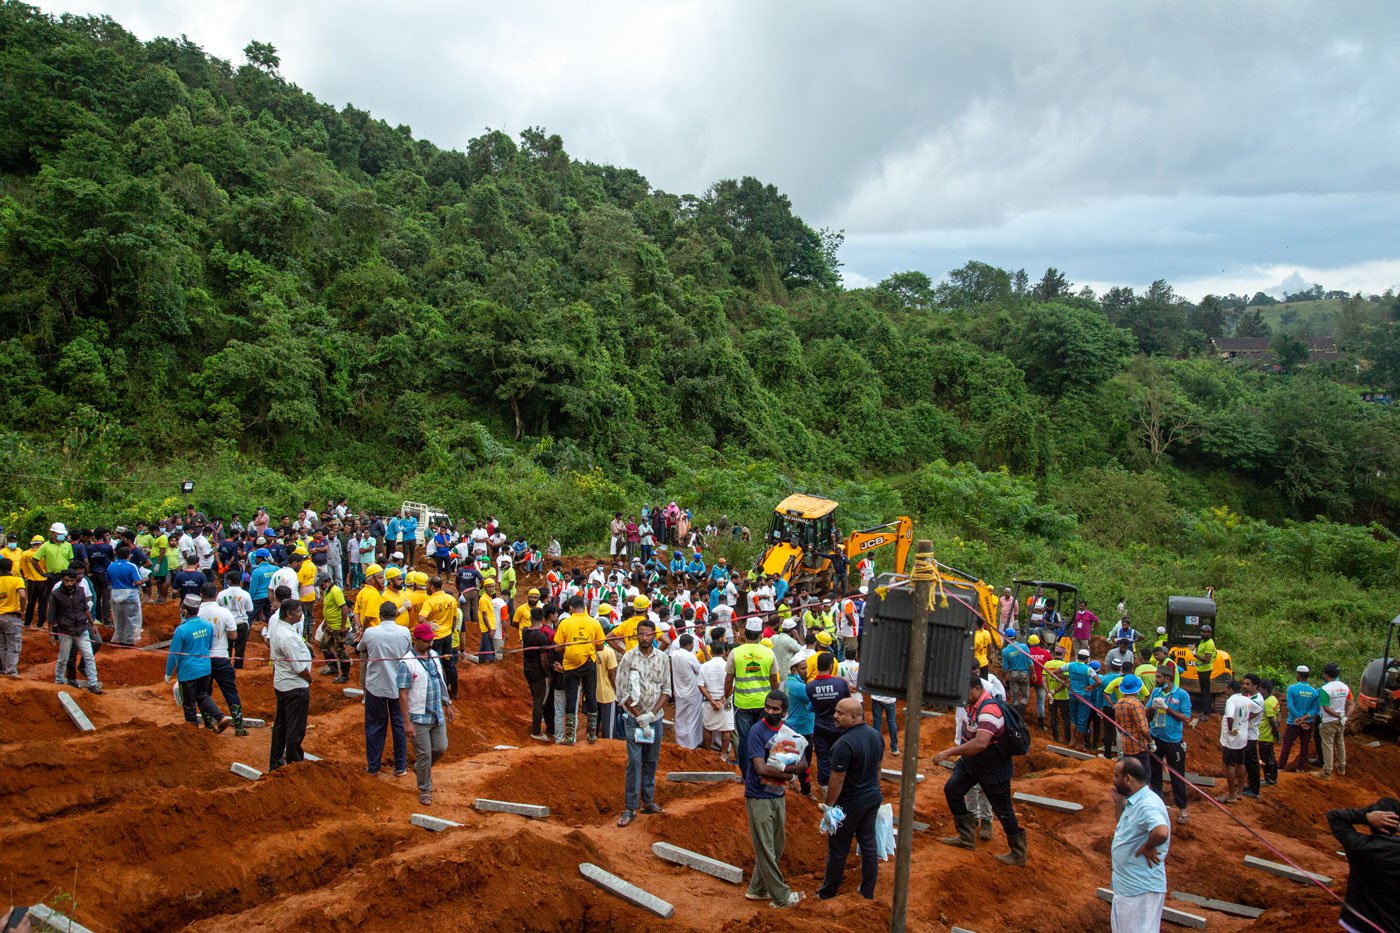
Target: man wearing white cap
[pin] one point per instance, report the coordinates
(752, 672)
(785, 644)
(1302, 702)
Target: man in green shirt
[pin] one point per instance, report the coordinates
(56, 553)
(1269, 732)
(1205, 662)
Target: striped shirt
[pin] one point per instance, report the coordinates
(1131, 716)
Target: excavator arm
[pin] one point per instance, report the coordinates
(899, 532)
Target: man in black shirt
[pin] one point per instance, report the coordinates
(1373, 889)
(855, 788)
(189, 581)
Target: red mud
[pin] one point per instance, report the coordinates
(163, 836)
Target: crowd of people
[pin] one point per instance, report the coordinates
(763, 674)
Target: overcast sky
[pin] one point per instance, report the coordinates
(1221, 146)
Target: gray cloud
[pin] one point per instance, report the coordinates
(1119, 141)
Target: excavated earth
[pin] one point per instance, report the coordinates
(142, 826)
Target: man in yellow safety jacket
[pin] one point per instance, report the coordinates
(750, 673)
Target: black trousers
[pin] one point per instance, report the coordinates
(1174, 754)
(1203, 693)
(289, 727)
(539, 697)
(1267, 761)
(998, 796)
(196, 698)
(586, 674)
(102, 593)
(860, 826)
(240, 645)
(448, 655)
(1251, 764)
(221, 672)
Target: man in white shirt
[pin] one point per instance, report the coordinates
(1234, 736)
(284, 577)
(731, 594)
(220, 666)
(291, 682)
(1249, 689)
(719, 707)
(723, 616)
(1334, 706)
(381, 649)
(239, 603)
(204, 553)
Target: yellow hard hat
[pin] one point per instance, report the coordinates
(393, 573)
(767, 643)
(641, 602)
(417, 578)
(37, 539)
(605, 609)
(1034, 640)
(372, 569)
(300, 549)
(823, 638)
(532, 592)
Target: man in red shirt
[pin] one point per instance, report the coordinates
(1039, 655)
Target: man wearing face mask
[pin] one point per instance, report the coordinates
(1373, 886)
(765, 788)
(1140, 846)
(53, 557)
(70, 624)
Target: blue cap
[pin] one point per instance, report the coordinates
(1131, 684)
(1094, 665)
(262, 553)
(1010, 633)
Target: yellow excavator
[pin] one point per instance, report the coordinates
(803, 545)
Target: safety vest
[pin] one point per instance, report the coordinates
(753, 670)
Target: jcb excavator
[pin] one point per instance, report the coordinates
(804, 546)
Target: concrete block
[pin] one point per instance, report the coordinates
(1373, 744)
(42, 913)
(721, 870)
(1225, 907)
(918, 827)
(930, 713)
(946, 764)
(245, 771)
(627, 891)
(309, 757)
(890, 774)
(75, 712)
(158, 646)
(531, 810)
(1070, 752)
(1049, 803)
(1285, 871)
(354, 693)
(1179, 917)
(960, 930)
(432, 823)
(250, 723)
(701, 777)
(1200, 780)
(505, 748)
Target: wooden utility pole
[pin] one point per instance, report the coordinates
(913, 709)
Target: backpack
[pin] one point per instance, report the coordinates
(1016, 740)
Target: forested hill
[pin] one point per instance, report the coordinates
(202, 266)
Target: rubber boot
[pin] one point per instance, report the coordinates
(237, 713)
(570, 729)
(984, 831)
(967, 831)
(209, 722)
(592, 728)
(1017, 855)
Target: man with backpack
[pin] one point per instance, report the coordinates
(992, 735)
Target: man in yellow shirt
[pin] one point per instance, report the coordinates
(607, 687)
(981, 648)
(12, 600)
(439, 610)
(337, 630)
(1057, 684)
(306, 588)
(163, 560)
(394, 593)
(488, 621)
(35, 581)
(522, 612)
(417, 595)
(580, 634)
(369, 597)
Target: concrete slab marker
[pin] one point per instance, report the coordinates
(930, 713)
(946, 764)
(244, 771)
(1225, 907)
(721, 870)
(309, 757)
(354, 693)
(1171, 915)
(505, 748)
(254, 723)
(52, 918)
(960, 930)
(701, 777)
(890, 774)
(1049, 803)
(1373, 744)
(158, 646)
(627, 891)
(1070, 752)
(918, 827)
(1200, 780)
(531, 810)
(434, 824)
(1285, 871)
(75, 712)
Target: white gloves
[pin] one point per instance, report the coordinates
(646, 719)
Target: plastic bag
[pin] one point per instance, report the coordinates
(884, 832)
(832, 817)
(179, 695)
(787, 749)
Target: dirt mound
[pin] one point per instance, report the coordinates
(31, 712)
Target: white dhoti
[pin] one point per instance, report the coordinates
(690, 713)
(1138, 913)
(719, 720)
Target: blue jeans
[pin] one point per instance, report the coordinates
(65, 648)
(383, 716)
(878, 712)
(641, 764)
(1079, 712)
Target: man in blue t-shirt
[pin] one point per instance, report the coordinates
(1302, 702)
(1016, 664)
(189, 662)
(764, 800)
(825, 691)
(855, 788)
(124, 579)
(1169, 708)
(258, 580)
(1079, 676)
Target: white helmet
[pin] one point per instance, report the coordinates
(58, 528)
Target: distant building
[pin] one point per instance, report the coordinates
(1261, 349)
